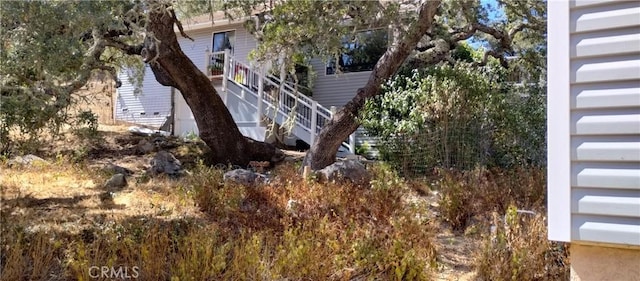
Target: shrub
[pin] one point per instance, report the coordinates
(457, 117)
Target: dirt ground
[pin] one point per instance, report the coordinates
(69, 197)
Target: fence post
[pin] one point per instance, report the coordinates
(314, 121)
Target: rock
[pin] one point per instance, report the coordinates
(291, 159)
(350, 170)
(147, 132)
(28, 159)
(117, 181)
(145, 147)
(278, 156)
(115, 169)
(244, 177)
(165, 163)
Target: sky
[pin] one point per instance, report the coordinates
(495, 14)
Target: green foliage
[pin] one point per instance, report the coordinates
(50, 50)
(457, 116)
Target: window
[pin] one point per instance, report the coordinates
(223, 40)
(360, 53)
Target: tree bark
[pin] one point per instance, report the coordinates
(344, 122)
(172, 67)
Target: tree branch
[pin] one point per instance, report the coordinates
(128, 49)
(179, 25)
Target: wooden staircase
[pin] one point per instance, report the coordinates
(271, 98)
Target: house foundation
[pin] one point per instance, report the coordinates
(591, 263)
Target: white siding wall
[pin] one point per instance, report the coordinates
(336, 89)
(603, 116)
(154, 100)
(150, 106)
(196, 50)
(244, 43)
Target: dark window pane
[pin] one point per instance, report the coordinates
(222, 41)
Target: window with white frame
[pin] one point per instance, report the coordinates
(223, 40)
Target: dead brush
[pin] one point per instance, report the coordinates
(336, 232)
(465, 195)
(518, 249)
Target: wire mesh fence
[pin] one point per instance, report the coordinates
(460, 145)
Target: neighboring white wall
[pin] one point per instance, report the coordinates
(150, 106)
(154, 100)
(594, 122)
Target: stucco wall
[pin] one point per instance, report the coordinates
(604, 263)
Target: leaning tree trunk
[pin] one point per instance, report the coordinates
(344, 122)
(172, 67)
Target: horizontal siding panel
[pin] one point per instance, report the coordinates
(607, 71)
(589, 3)
(604, 80)
(149, 107)
(608, 229)
(608, 177)
(608, 151)
(608, 98)
(623, 124)
(593, 20)
(624, 203)
(336, 89)
(610, 45)
(370, 142)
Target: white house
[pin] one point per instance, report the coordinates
(594, 136)
(221, 50)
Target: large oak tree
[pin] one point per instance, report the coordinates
(422, 34)
(50, 48)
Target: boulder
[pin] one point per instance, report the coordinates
(28, 159)
(115, 169)
(145, 146)
(117, 181)
(139, 131)
(244, 177)
(350, 170)
(165, 163)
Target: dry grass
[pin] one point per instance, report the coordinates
(490, 203)
(58, 223)
(56, 226)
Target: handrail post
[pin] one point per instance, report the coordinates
(260, 94)
(207, 61)
(225, 69)
(352, 143)
(314, 121)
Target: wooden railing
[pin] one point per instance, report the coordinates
(275, 97)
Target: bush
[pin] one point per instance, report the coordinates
(457, 117)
